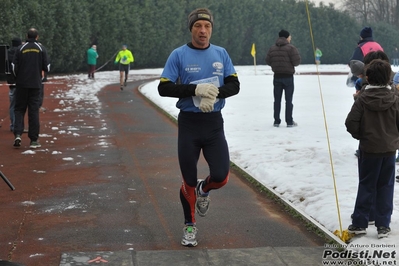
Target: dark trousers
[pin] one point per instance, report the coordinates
(27, 99)
(41, 97)
(201, 132)
(285, 85)
(11, 95)
(92, 69)
(376, 186)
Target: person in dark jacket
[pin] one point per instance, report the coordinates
(28, 64)
(15, 42)
(283, 57)
(374, 121)
(365, 45)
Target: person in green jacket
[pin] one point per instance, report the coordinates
(317, 55)
(92, 56)
(124, 58)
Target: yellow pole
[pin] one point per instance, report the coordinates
(253, 53)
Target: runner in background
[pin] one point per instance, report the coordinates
(124, 58)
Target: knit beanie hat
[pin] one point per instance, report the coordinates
(396, 79)
(283, 33)
(16, 42)
(357, 67)
(199, 14)
(366, 32)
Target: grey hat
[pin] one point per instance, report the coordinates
(357, 67)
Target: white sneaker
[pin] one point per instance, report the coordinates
(202, 203)
(189, 234)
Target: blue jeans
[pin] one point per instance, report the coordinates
(285, 85)
(11, 95)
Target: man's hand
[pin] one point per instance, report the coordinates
(206, 104)
(206, 90)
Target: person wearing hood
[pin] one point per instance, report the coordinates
(15, 43)
(283, 57)
(373, 121)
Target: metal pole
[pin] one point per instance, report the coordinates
(7, 181)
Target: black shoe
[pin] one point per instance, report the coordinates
(294, 124)
(276, 125)
(17, 141)
(356, 230)
(121, 87)
(383, 231)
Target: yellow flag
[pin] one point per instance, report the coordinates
(253, 52)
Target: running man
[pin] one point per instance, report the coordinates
(201, 75)
(124, 58)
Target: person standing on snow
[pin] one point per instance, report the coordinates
(365, 45)
(202, 76)
(283, 57)
(124, 58)
(373, 121)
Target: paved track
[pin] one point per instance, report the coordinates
(108, 181)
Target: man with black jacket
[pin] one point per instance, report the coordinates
(15, 42)
(29, 62)
(283, 57)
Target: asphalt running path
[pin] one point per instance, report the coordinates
(109, 180)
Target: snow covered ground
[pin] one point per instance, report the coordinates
(312, 167)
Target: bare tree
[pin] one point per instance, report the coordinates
(367, 11)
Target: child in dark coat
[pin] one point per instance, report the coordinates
(374, 121)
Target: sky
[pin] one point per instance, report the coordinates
(337, 3)
(312, 167)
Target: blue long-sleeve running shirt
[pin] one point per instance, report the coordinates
(186, 65)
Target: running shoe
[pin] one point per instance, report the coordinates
(34, 145)
(189, 236)
(203, 200)
(17, 141)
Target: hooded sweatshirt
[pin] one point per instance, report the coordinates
(374, 121)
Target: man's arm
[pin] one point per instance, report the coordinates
(231, 86)
(131, 59)
(45, 61)
(168, 88)
(117, 58)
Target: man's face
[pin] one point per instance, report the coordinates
(201, 33)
